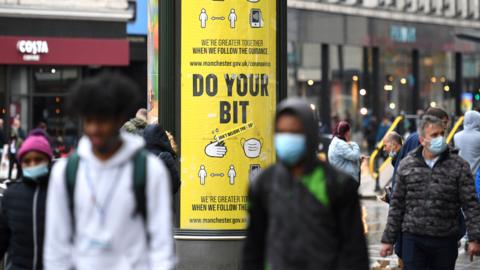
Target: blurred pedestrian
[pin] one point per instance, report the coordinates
(391, 146)
(158, 143)
(383, 128)
(303, 214)
(343, 154)
(13, 147)
(370, 132)
(137, 125)
(17, 126)
(22, 218)
(109, 204)
(468, 140)
(432, 184)
(2, 137)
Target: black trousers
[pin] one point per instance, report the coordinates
(429, 253)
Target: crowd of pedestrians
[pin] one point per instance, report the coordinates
(108, 205)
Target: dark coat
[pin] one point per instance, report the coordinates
(427, 201)
(159, 145)
(22, 224)
(308, 223)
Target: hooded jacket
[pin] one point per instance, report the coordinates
(427, 201)
(157, 143)
(468, 140)
(135, 126)
(308, 223)
(22, 223)
(108, 235)
(345, 156)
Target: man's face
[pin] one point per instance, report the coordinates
(102, 132)
(431, 132)
(289, 124)
(391, 146)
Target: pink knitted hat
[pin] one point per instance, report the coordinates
(35, 143)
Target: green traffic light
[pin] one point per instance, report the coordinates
(477, 97)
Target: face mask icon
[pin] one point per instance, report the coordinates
(251, 147)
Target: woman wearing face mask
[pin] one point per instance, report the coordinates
(22, 215)
(344, 154)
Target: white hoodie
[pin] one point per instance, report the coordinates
(120, 242)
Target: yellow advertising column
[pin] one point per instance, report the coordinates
(228, 101)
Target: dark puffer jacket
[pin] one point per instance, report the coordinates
(159, 145)
(311, 223)
(22, 224)
(427, 201)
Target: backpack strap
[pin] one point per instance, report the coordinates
(71, 179)
(140, 184)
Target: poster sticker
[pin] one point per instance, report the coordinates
(228, 99)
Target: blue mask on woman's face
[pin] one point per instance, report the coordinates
(290, 147)
(36, 172)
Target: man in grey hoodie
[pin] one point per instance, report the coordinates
(468, 140)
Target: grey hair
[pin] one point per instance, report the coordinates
(426, 121)
(395, 137)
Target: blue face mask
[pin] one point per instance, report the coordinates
(36, 172)
(290, 147)
(437, 145)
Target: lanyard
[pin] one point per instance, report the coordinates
(101, 208)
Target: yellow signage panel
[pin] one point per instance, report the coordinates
(228, 99)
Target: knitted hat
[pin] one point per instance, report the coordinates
(35, 143)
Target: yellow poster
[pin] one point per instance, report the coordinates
(228, 98)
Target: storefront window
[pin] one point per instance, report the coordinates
(18, 108)
(396, 81)
(346, 80)
(437, 78)
(470, 82)
(51, 85)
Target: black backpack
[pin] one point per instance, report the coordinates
(139, 184)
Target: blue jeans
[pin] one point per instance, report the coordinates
(429, 253)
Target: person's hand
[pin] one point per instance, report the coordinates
(386, 250)
(473, 249)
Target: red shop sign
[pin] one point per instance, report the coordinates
(63, 51)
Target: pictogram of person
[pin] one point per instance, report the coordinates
(203, 18)
(202, 174)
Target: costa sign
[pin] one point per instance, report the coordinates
(16, 50)
(32, 47)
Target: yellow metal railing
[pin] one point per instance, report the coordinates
(373, 156)
(455, 129)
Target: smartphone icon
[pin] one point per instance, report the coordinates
(255, 170)
(256, 20)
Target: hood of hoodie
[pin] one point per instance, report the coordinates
(472, 121)
(156, 140)
(302, 109)
(130, 145)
